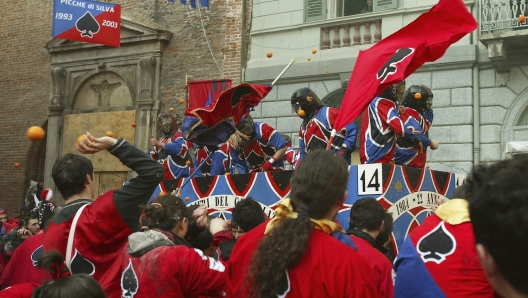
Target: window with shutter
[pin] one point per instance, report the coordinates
(314, 10)
(384, 5)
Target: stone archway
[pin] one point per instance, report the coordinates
(99, 89)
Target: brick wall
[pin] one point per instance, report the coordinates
(25, 27)
(24, 85)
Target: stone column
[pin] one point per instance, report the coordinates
(54, 133)
(145, 128)
(145, 103)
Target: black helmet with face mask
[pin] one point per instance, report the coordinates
(305, 103)
(419, 98)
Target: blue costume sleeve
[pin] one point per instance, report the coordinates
(240, 165)
(270, 137)
(429, 115)
(175, 148)
(414, 127)
(217, 164)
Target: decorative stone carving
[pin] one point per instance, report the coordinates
(58, 75)
(104, 91)
(146, 79)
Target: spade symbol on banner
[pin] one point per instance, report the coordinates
(87, 25)
(436, 245)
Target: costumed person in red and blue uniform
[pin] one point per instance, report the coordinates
(161, 263)
(302, 251)
(256, 146)
(90, 231)
(218, 163)
(317, 125)
(417, 116)
(171, 150)
(439, 259)
(381, 125)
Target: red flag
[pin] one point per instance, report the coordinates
(203, 93)
(396, 57)
(213, 125)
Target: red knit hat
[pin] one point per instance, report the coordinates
(46, 195)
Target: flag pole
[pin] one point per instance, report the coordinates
(282, 72)
(332, 135)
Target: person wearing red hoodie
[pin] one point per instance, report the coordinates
(159, 262)
(90, 233)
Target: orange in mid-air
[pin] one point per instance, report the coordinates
(163, 193)
(171, 109)
(181, 101)
(187, 199)
(522, 18)
(35, 133)
(17, 165)
(134, 124)
(269, 54)
(309, 59)
(314, 51)
(188, 162)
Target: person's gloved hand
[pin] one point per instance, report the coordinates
(268, 165)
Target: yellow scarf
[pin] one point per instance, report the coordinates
(454, 211)
(285, 210)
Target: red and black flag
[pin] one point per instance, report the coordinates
(214, 124)
(200, 94)
(396, 57)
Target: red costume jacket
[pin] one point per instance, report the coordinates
(22, 268)
(152, 266)
(19, 291)
(380, 265)
(328, 268)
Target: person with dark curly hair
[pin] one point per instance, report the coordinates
(303, 252)
(498, 208)
(161, 263)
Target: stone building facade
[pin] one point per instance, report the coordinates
(52, 83)
(480, 85)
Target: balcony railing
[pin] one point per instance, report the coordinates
(502, 14)
(351, 34)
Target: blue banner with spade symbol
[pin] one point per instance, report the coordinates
(87, 21)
